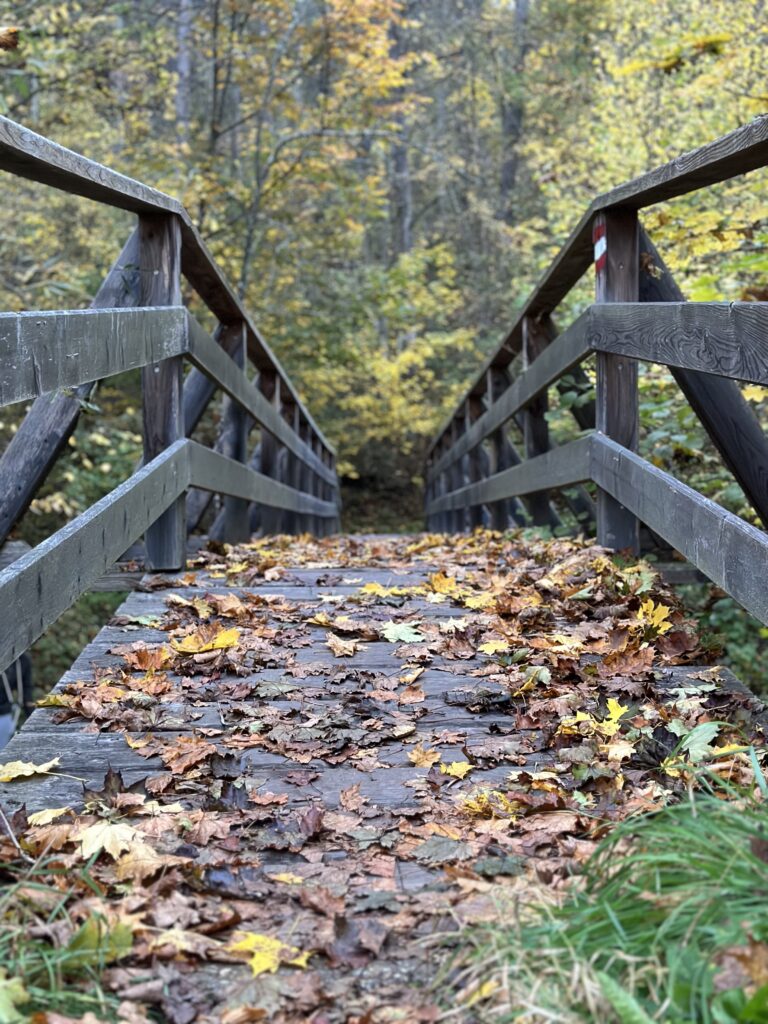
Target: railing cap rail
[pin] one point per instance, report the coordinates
(742, 150)
(26, 154)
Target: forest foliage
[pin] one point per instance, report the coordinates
(384, 180)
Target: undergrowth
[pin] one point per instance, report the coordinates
(669, 922)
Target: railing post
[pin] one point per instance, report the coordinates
(616, 238)
(457, 515)
(501, 456)
(269, 384)
(473, 409)
(160, 285)
(235, 432)
(535, 426)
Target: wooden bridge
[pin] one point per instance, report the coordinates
(307, 755)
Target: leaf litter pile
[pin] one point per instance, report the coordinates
(275, 785)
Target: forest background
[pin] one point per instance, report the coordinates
(382, 181)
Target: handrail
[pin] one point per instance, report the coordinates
(473, 479)
(740, 151)
(26, 154)
(290, 483)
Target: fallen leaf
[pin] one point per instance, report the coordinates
(23, 769)
(423, 758)
(267, 954)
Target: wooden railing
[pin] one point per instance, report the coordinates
(138, 321)
(476, 476)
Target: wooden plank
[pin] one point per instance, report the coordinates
(736, 153)
(213, 471)
(617, 266)
(733, 554)
(32, 451)
(198, 386)
(727, 339)
(725, 414)
(162, 382)
(26, 154)
(43, 352)
(41, 585)
(559, 467)
(535, 427)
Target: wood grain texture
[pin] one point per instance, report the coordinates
(559, 467)
(43, 352)
(32, 451)
(616, 402)
(162, 382)
(728, 339)
(41, 586)
(733, 554)
(726, 415)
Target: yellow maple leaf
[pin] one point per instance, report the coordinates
(478, 601)
(494, 647)
(754, 393)
(287, 878)
(267, 953)
(423, 758)
(47, 816)
(654, 618)
(488, 803)
(198, 643)
(458, 769)
(112, 839)
(340, 647)
(442, 584)
(23, 769)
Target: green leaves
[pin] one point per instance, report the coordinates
(401, 632)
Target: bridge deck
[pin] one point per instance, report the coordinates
(328, 751)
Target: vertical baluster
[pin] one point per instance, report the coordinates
(535, 427)
(235, 433)
(160, 285)
(269, 383)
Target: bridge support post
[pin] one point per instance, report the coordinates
(162, 383)
(617, 267)
(235, 432)
(535, 427)
(269, 384)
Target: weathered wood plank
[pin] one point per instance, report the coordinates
(42, 352)
(560, 467)
(162, 382)
(727, 339)
(727, 417)
(41, 585)
(732, 553)
(34, 448)
(234, 428)
(616, 402)
(211, 471)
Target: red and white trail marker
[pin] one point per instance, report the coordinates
(601, 246)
